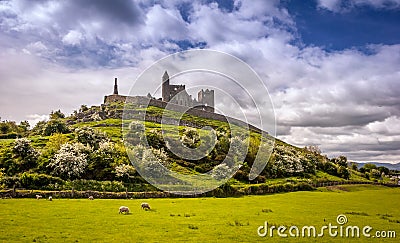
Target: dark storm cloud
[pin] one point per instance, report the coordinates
(72, 12)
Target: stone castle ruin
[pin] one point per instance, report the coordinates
(171, 94)
(177, 94)
(176, 98)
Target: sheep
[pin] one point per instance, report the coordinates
(124, 209)
(38, 197)
(145, 206)
(91, 198)
(50, 198)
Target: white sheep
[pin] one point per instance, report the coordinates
(145, 206)
(50, 198)
(124, 209)
(38, 197)
(91, 198)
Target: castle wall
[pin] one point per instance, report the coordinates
(145, 101)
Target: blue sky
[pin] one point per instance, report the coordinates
(332, 67)
(354, 27)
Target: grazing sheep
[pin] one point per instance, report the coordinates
(91, 198)
(38, 197)
(145, 206)
(124, 209)
(50, 198)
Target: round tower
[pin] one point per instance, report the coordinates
(165, 87)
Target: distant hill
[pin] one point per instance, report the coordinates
(387, 165)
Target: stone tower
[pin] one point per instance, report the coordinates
(165, 87)
(206, 98)
(115, 87)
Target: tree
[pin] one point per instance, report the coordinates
(38, 128)
(25, 153)
(56, 115)
(24, 126)
(343, 172)
(5, 127)
(70, 162)
(313, 149)
(55, 126)
(384, 170)
(83, 108)
(102, 161)
(369, 166)
(354, 166)
(341, 160)
(374, 173)
(8, 127)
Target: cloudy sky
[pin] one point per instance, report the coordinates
(332, 67)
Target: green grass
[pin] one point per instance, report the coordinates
(198, 219)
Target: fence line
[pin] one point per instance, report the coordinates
(251, 190)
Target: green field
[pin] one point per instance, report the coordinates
(200, 219)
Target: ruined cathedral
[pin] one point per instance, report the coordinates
(174, 94)
(177, 94)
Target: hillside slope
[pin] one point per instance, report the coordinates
(85, 151)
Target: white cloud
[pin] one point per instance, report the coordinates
(346, 5)
(164, 23)
(33, 119)
(73, 38)
(332, 5)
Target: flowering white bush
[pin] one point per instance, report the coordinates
(238, 146)
(190, 137)
(124, 170)
(221, 171)
(289, 161)
(70, 161)
(23, 148)
(90, 136)
(152, 163)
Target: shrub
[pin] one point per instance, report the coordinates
(10, 181)
(55, 126)
(124, 171)
(38, 181)
(25, 153)
(90, 136)
(343, 172)
(1, 178)
(190, 138)
(70, 161)
(155, 139)
(82, 185)
(11, 135)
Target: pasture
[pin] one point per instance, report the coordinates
(199, 219)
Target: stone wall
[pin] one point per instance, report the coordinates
(145, 101)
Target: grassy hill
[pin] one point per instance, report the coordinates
(85, 151)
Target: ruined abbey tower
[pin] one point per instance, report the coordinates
(173, 94)
(177, 94)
